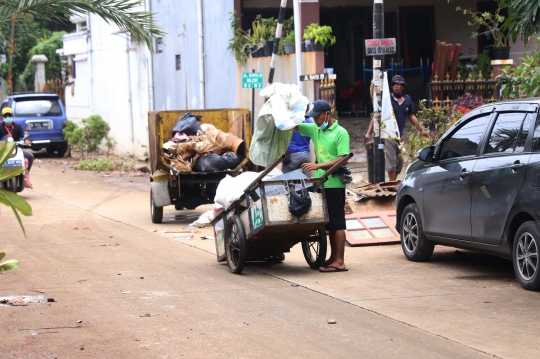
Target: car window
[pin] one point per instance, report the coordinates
(465, 141)
(536, 136)
(503, 137)
(522, 139)
(37, 107)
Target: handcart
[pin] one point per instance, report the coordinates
(259, 225)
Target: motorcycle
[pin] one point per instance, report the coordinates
(16, 184)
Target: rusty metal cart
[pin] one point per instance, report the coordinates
(191, 189)
(259, 225)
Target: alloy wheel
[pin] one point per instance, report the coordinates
(527, 256)
(410, 232)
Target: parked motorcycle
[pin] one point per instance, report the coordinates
(16, 184)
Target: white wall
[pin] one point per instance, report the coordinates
(107, 73)
(178, 90)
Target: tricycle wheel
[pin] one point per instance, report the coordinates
(314, 248)
(155, 212)
(235, 245)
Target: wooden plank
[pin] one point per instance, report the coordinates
(455, 60)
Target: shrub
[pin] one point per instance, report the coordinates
(88, 137)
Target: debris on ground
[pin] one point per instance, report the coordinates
(370, 190)
(331, 321)
(179, 236)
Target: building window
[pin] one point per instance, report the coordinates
(178, 63)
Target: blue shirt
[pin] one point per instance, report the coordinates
(402, 111)
(299, 143)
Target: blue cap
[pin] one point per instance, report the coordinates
(319, 106)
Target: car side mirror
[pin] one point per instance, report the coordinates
(426, 154)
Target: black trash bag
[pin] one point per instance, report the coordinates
(299, 204)
(232, 159)
(188, 124)
(345, 174)
(210, 162)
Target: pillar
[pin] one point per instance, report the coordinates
(39, 62)
(310, 13)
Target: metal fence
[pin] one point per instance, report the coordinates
(443, 93)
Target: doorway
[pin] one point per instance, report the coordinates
(417, 28)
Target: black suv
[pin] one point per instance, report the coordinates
(42, 115)
(478, 188)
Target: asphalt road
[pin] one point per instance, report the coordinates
(124, 289)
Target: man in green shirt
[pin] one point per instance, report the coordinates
(331, 142)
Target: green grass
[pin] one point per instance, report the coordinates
(95, 165)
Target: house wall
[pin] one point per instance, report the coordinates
(110, 81)
(180, 89)
(450, 26)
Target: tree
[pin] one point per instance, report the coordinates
(524, 19)
(123, 13)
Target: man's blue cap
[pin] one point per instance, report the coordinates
(319, 106)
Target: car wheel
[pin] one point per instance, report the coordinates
(415, 245)
(50, 150)
(525, 255)
(62, 149)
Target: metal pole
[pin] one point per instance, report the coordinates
(277, 39)
(201, 53)
(297, 42)
(376, 84)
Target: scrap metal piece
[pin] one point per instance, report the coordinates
(383, 189)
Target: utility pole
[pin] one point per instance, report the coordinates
(375, 89)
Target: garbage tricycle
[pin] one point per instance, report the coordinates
(260, 226)
(183, 188)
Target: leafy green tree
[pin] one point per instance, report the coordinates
(123, 13)
(46, 46)
(524, 19)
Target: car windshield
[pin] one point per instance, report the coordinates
(37, 107)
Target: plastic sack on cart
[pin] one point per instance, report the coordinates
(231, 189)
(268, 142)
(188, 124)
(288, 105)
(207, 217)
(232, 159)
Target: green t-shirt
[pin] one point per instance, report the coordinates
(329, 145)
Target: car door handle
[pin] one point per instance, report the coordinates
(517, 166)
(464, 173)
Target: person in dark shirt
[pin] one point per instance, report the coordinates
(403, 110)
(298, 151)
(10, 129)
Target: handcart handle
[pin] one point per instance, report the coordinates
(273, 165)
(336, 166)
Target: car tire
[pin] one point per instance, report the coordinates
(62, 149)
(525, 254)
(415, 245)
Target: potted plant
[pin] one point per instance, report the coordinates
(269, 32)
(257, 37)
(492, 26)
(288, 43)
(319, 36)
(240, 43)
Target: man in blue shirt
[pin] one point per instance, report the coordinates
(297, 152)
(403, 110)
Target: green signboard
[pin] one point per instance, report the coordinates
(252, 80)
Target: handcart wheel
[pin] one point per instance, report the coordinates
(155, 212)
(235, 245)
(314, 248)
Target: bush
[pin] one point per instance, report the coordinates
(95, 165)
(88, 137)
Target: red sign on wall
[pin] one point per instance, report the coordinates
(380, 47)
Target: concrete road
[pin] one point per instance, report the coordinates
(140, 294)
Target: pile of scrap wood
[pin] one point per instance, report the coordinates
(445, 62)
